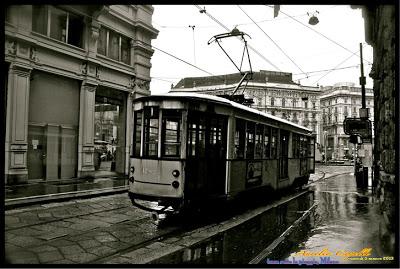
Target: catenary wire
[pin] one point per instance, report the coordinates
(272, 40)
(227, 29)
(330, 39)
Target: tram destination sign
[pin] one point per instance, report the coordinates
(357, 126)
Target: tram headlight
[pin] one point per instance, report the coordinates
(131, 179)
(132, 169)
(175, 173)
(175, 184)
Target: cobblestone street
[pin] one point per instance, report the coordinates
(85, 230)
(79, 231)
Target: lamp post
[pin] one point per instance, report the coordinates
(325, 144)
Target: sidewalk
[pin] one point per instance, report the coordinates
(46, 191)
(49, 191)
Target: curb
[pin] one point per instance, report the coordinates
(57, 197)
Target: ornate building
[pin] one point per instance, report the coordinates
(64, 65)
(338, 102)
(271, 92)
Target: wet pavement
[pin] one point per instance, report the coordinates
(108, 230)
(346, 226)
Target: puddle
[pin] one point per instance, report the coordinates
(239, 245)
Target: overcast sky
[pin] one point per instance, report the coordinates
(307, 51)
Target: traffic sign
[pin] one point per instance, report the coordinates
(357, 126)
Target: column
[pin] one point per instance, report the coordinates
(86, 130)
(128, 132)
(16, 140)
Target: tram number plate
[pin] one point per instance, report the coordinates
(253, 173)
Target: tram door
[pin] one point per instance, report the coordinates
(206, 155)
(283, 154)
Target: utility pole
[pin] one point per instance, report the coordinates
(194, 44)
(363, 110)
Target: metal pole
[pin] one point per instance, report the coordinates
(326, 138)
(362, 79)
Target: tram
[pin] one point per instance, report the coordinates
(192, 148)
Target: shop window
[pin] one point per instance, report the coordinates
(58, 24)
(171, 125)
(113, 45)
(151, 131)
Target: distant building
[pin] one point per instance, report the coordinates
(337, 103)
(71, 73)
(271, 92)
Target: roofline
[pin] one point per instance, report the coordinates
(224, 101)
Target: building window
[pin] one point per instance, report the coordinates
(272, 103)
(113, 45)
(283, 102)
(305, 104)
(294, 102)
(313, 105)
(58, 24)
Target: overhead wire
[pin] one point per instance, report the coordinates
(330, 39)
(169, 54)
(227, 29)
(272, 40)
(353, 53)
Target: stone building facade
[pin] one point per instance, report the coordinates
(272, 92)
(380, 32)
(338, 102)
(63, 65)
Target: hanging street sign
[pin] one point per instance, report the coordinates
(361, 127)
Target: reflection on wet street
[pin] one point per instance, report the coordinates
(240, 244)
(346, 220)
(342, 228)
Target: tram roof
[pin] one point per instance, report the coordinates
(216, 99)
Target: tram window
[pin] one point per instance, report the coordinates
(137, 133)
(239, 139)
(259, 141)
(274, 138)
(250, 130)
(216, 146)
(295, 145)
(192, 128)
(196, 136)
(267, 145)
(171, 125)
(151, 131)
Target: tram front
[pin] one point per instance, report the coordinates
(156, 178)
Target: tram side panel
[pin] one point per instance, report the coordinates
(157, 178)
